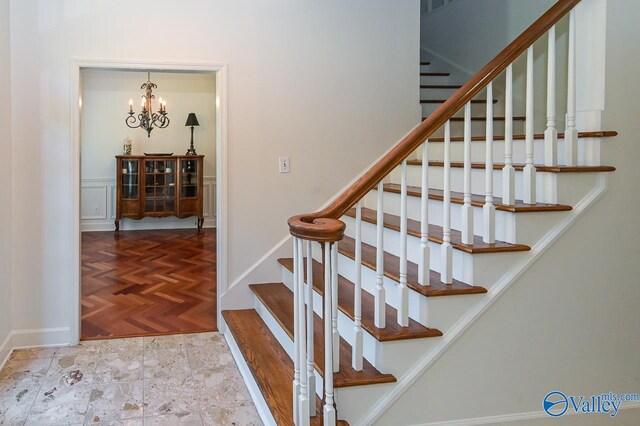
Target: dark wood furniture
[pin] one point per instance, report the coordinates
(159, 186)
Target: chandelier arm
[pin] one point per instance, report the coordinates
(131, 122)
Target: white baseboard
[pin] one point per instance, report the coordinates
(33, 338)
(516, 417)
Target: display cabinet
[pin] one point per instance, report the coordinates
(159, 186)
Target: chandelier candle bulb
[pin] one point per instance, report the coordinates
(130, 106)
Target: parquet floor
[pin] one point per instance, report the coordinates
(148, 283)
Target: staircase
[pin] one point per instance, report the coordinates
(385, 279)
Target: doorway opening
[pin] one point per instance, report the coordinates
(158, 274)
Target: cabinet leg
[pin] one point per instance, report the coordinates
(116, 235)
(200, 223)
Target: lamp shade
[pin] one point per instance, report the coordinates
(192, 120)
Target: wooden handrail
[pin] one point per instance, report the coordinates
(324, 226)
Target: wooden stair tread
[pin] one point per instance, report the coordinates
(425, 63)
(520, 166)
(346, 289)
(441, 101)
(603, 134)
(278, 299)
(436, 234)
(435, 74)
(482, 118)
(269, 364)
(436, 288)
(478, 200)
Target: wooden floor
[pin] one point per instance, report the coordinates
(148, 283)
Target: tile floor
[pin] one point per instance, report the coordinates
(185, 379)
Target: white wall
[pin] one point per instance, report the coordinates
(105, 97)
(571, 322)
(5, 178)
(314, 80)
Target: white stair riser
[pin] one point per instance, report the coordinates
(475, 269)
(522, 228)
(439, 93)
(478, 128)
(588, 151)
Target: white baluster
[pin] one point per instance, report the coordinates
(303, 398)
(489, 210)
(329, 410)
(296, 335)
(571, 133)
(357, 357)
(467, 208)
(508, 172)
(551, 134)
(424, 268)
(403, 290)
(311, 377)
(529, 169)
(380, 294)
(334, 306)
(446, 248)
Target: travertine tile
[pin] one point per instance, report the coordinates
(205, 339)
(33, 353)
(239, 416)
(183, 419)
(115, 401)
(170, 380)
(165, 363)
(170, 395)
(60, 404)
(164, 342)
(119, 367)
(84, 348)
(71, 369)
(135, 344)
(221, 388)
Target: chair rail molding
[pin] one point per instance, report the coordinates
(98, 208)
(221, 181)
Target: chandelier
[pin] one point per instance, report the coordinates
(147, 119)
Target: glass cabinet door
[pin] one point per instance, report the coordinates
(190, 178)
(160, 182)
(130, 175)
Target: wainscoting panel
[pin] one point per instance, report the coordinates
(98, 208)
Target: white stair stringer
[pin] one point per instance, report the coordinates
(371, 411)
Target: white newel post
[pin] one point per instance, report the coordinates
(296, 336)
(467, 208)
(489, 210)
(303, 398)
(329, 410)
(311, 376)
(424, 268)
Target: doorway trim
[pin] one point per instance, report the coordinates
(220, 71)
